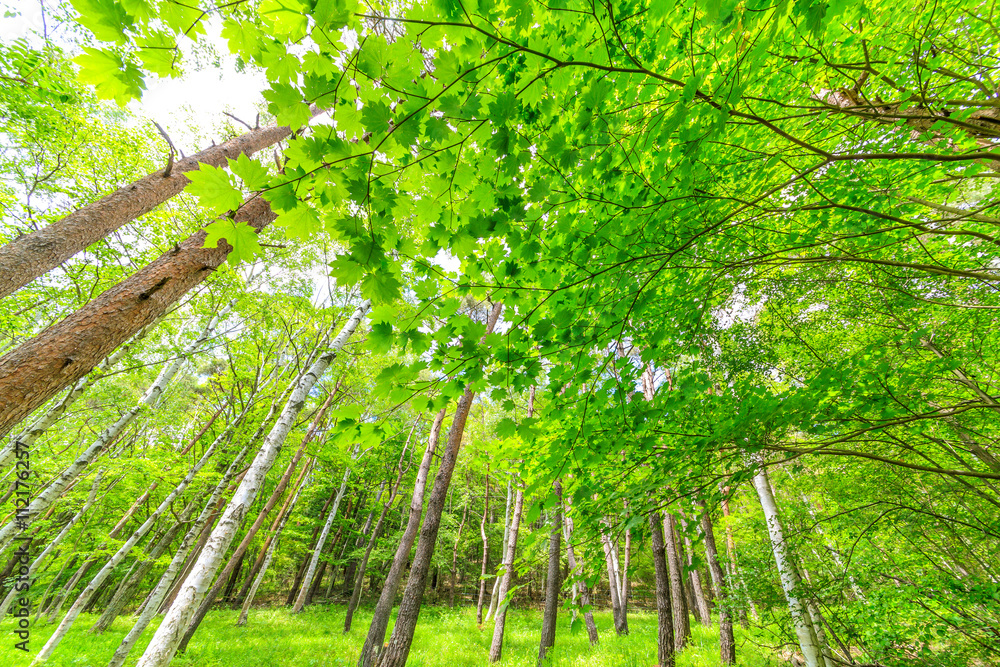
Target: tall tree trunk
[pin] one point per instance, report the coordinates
(359, 579)
(286, 512)
(788, 573)
(166, 581)
(734, 569)
(163, 645)
(614, 587)
(486, 552)
(697, 586)
(396, 652)
(55, 542)
(150, 398)
(229, 571)
(678, 599)
(552, 582)
(664, 610)
(27, 438)
(500, 621)
(102, 575)
(66, 351)
(31, 255)
(306, 587)
(383, 608)
(579, 587)
(454, 555)
(727, 642)
(503, 551)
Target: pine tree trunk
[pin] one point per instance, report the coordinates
(678, 600)
(31, 255)
(163, 645)
(552, 582)
(66, 351)
(664, 608)
(383, 608)
(150, 398)
(788, 573)
(27, 438)
(727, 642)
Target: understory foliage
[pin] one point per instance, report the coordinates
(728, 237)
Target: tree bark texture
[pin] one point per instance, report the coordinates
(664, 608)
(552, 581)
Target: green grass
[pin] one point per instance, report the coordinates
(445, 638)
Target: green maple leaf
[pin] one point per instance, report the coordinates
(253, 173)
(107, 19)
(301, 222)
(113, 78)
(380, 287)
(240, 235)
(214, 189)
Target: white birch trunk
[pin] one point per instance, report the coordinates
(5, 605)
(307, 580)
(167, 580)
(164, 643)
(148, 400)
(120, 555)
(245, 611)
(788, 573)
(503, 552)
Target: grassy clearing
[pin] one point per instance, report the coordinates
(445, 638)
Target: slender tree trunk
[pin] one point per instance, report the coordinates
(149, 399)
(31, 255)
(454, 555)
(614, 587)
(166, 581)
(229, 572)
(678, 600)
(269, 554)
(579, 586)
(103, 574)
(734, 569)
(383, 608)
(499, 623)
(664, 610)
(552, 582)
(788, 573)
(727, 642)
(66, 351)
(395, 654)
(56, 541)
(486, 552)
(168, 635)
(311, 570)
(503, 551)
(359, 579)
(697, 587)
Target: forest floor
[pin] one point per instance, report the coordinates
(274, 637)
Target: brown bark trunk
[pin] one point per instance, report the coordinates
(31, 255)
(66, 351)
(727, 642)
(682, 624)
(664, 611)
(552, 581)
(383, 608)
(398, 649)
